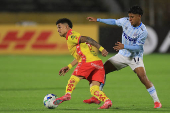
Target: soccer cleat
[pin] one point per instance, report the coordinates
(107, 104)
(157, 105)
(62, 99)
(92, 100)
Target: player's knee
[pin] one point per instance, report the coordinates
(95, 83)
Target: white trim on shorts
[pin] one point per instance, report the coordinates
(120, 61)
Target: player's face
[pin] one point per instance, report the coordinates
(62, 29)
(135, 19)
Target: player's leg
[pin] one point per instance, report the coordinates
(137, 65)
(109, 67)
(112, 64)
(95, 78)
(100, 95)
(140, 71)
(72, 82)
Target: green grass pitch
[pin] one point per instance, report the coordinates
(25, 80)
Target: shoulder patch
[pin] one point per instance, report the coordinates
(73, 37)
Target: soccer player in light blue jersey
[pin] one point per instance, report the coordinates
(130, 50)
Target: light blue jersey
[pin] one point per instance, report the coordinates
(131, 37)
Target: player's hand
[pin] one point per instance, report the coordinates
(92, 19)
(104, 53)
(118, 46)
(64, 70)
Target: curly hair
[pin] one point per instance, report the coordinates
(136, 10)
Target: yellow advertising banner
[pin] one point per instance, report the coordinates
(38, 40)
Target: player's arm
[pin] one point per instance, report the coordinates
(65, 69)
(139, 43)
(135, 47)
(118, 46)
(106, 21)
(92, 42)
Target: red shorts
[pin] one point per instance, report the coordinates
(92, 71)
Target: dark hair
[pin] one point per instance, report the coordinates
(65, 20)
(136, 10)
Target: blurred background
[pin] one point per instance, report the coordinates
(28, 26)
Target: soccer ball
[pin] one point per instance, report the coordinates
(48, 101)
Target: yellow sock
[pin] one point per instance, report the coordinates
(100, 95)
(72, 82)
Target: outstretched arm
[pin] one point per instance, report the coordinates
(92, 42)
(106, 21)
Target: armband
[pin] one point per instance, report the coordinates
(101, 49)
(70, 66)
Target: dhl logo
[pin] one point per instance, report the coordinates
(31, 40)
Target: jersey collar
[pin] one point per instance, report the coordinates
(68, 34)
(137, 26)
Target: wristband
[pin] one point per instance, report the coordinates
(70, 66)
(101, 49)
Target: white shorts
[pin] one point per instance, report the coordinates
(120, 61)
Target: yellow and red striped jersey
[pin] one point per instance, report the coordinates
(82, 52)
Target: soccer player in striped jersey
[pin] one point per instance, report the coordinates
(130, 50)
(89, 66)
